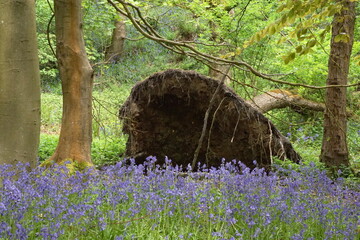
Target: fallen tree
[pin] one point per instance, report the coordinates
(164, 114)
(280, 98)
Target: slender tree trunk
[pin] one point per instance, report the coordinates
(220, 71)
(114, 51)
(19, 83)
(334, 151)
(217, 71)
(77, 78)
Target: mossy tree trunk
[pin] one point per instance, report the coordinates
(77, 79)
(334, 151)
(19, 83)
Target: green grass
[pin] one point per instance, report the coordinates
(112, 86)
(108, 141)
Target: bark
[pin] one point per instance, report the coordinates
(334, 151)
(217, 70)
(114, 51)
(280, 98)
(19, 83)
(77, 78)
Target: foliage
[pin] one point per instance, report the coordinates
(51, 111)
(48, 143)
(99, 19)
(305, 131)
(108, 141)
(48, 68)
(143, 57)
(105, 150)
(305, 16)
(108, 151)
(122, 202)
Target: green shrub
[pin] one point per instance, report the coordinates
(48, 143)
(108, 150)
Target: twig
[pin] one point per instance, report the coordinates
(48, 34)
(211, 127)
(206, 117)
(270, 142)
(237, 123)
(176, 46)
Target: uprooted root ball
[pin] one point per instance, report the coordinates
(164, 116)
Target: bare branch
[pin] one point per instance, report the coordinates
(48, 34)
(188, 49)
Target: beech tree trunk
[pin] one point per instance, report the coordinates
(114, 51)
(19, 83)
(334, 151)
(77, 79)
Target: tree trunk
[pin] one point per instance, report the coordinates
(217, 71)
(280, 98)
(19, 83)
(114, 51)
(334, 151)
(77, 78)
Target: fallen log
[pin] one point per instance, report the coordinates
(164, 114)
(280, 98)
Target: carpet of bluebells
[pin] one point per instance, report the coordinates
(148, 201)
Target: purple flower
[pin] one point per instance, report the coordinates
(216, 234)
(52, 204)
(21, 232)
(2, 208)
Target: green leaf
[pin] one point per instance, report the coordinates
(333, 9)
(299, 49)
(281, 40)
(342, 37)
(281, 8)
(272, 29)
(289, 58)
(305, 51)
(311, 43)
(258, 37)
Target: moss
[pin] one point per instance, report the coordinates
(71, 164)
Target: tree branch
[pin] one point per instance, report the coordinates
(178, 47)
